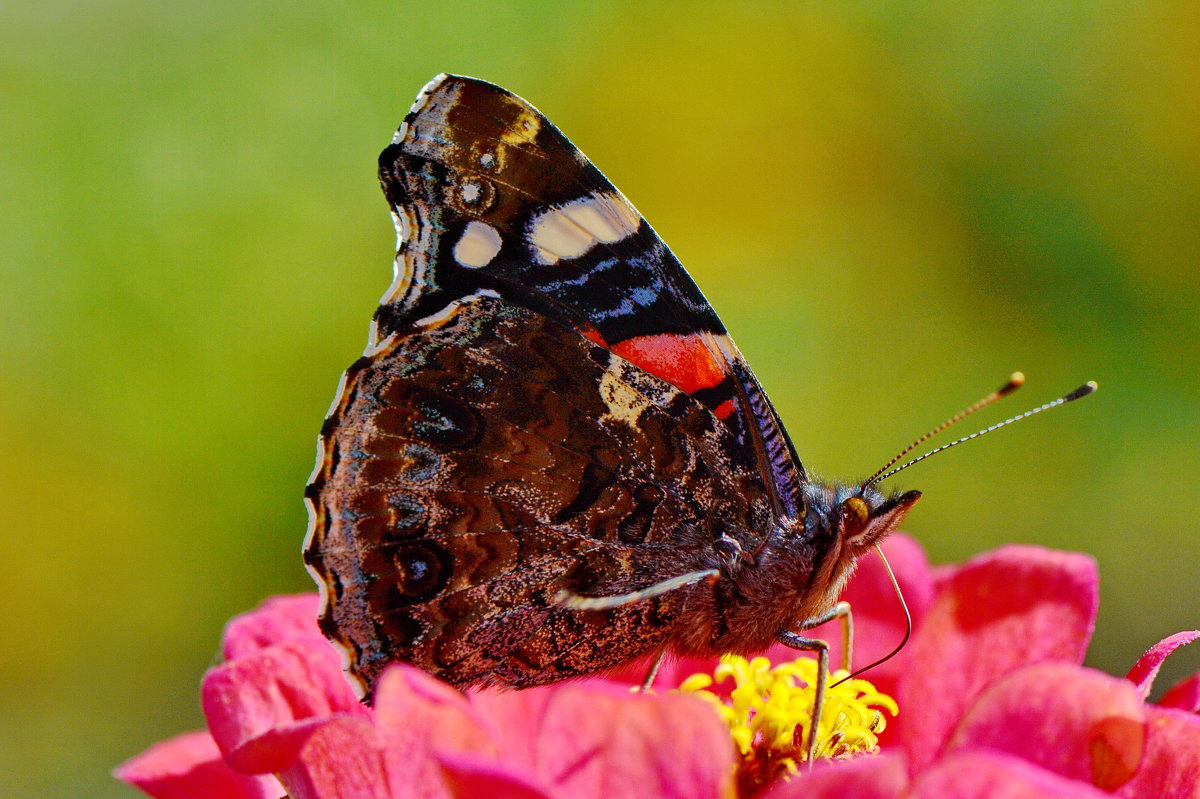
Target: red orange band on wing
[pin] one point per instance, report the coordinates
(683, 360)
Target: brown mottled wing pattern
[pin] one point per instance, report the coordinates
(478, 463)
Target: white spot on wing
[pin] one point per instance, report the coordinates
(571, 230)
(478, 246)
(470, 192)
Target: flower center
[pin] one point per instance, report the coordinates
(769, 713)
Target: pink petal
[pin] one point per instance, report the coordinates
(278, 620)
(1146, 669)
(1080, 723)
(339, 759)
(1171, 765)
(1009, 608)
(468, 778)
(417, 718)
(252, 702)
(189, 766)
(602, 742)
(517, 717)
(977, 774)
(881, 777)
(1184, 694)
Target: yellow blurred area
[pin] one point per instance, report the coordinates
(892, 205)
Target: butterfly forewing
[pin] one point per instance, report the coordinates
(491, 196)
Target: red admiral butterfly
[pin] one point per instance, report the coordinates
(552, 459)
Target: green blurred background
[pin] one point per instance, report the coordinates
(892, 205)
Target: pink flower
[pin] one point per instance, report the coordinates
(282, 717)
(993, 699)
(993, 702)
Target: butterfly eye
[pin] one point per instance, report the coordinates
(855, 513)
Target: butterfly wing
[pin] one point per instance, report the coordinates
(547, 402)
(488, 195)
(477, 465)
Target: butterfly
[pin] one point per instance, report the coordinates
(552, 459)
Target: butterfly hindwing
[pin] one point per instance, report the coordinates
(474, 466)
(489, 196)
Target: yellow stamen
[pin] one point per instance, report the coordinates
(769, 714)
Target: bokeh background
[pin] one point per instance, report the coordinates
(892, 205)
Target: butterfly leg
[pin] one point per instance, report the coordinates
(652, 672)
(839, 611)
(795, 641)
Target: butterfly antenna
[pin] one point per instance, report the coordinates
(1082, 391)
(1014, 382)
(907, 623)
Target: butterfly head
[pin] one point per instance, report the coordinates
(852, 518)
(807, 561)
